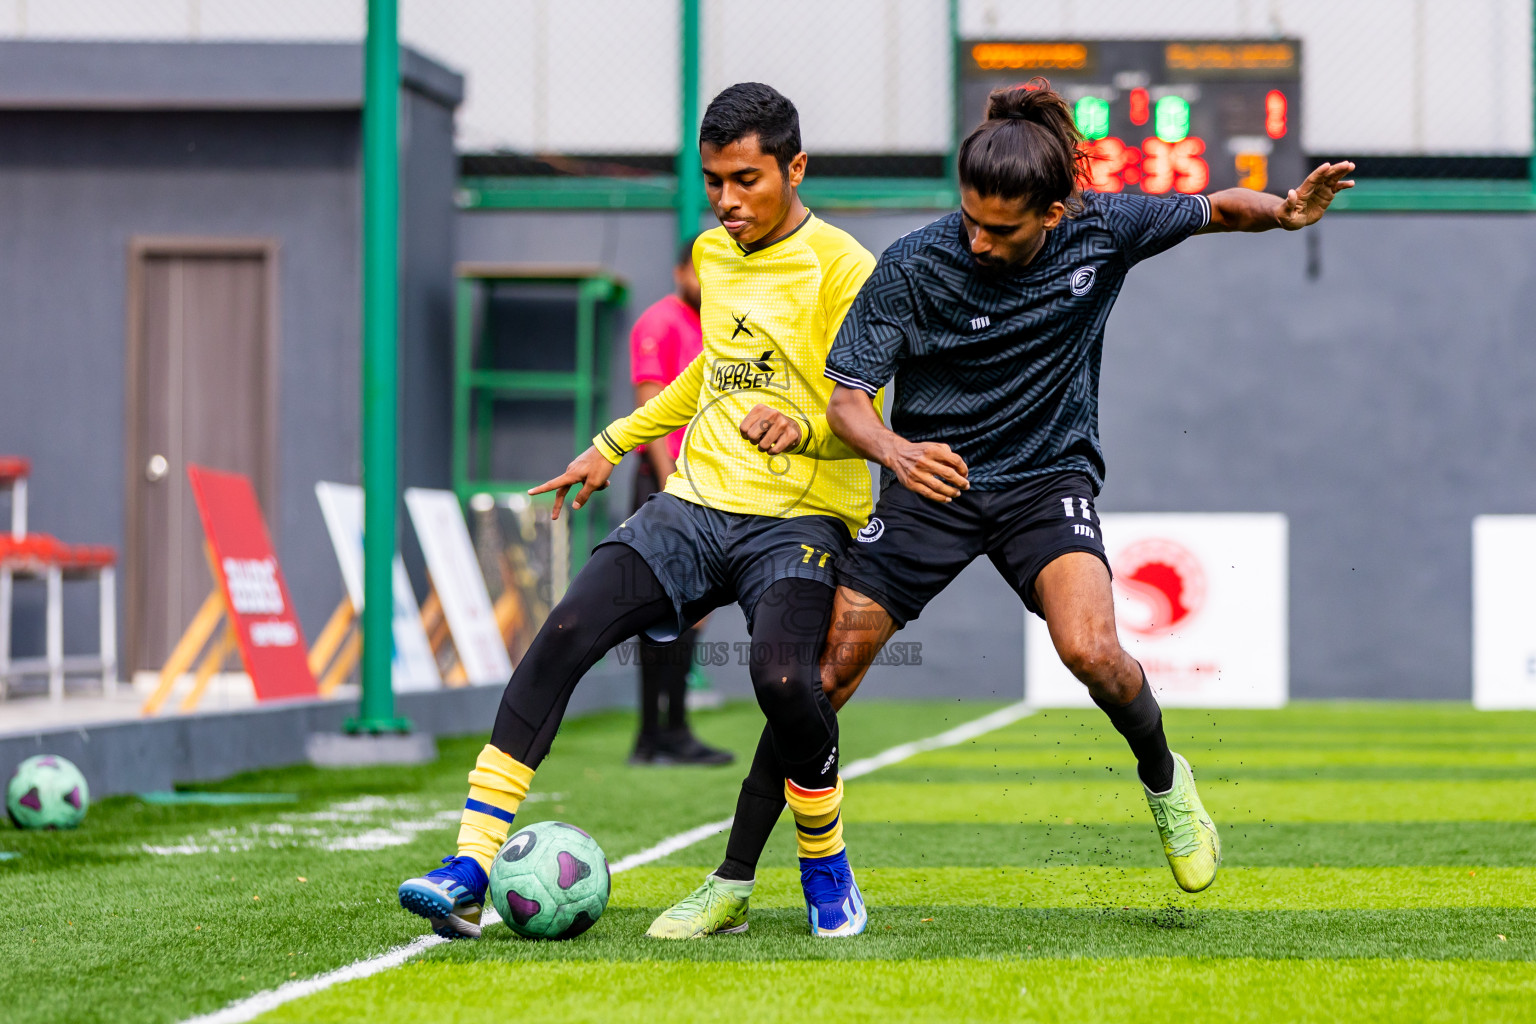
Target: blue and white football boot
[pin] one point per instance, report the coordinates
(833, 902)
(450, 897)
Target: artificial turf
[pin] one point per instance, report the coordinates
(762, 991)
(1380, 863)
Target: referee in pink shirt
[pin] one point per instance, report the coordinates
(665, 339)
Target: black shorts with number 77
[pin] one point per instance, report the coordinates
(913, 546)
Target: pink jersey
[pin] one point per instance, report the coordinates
(665, 339)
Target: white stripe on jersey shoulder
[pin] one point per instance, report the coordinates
(1205, 204)
(852, 382)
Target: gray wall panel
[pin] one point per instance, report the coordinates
(77, 185)
(1381, 404)
(429, 177)
(66, 318)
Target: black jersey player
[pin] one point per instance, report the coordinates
(991, 322)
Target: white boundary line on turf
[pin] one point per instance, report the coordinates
(959, 734)
(254, 1006)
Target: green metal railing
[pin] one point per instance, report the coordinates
(661, 193)
(476, 389)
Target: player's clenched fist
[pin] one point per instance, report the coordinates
(931, 469)
(772, 431)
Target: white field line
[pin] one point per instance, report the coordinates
(254, 1006)
(959, 734)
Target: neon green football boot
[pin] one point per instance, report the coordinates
(1188, 834)
(718, 907)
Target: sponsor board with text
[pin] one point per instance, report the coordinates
(1503, 612)
(1200, 601)
(450, 556)
(255, 594)
(412, 666)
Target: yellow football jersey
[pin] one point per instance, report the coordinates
(769, 317)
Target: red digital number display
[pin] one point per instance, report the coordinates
(1141, 107)
(1275, 114)
(1157, 166)
(1174, 166)
(1112, 164)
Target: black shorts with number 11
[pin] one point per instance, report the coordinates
(913, 546)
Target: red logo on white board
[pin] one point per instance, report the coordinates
(1159, 586)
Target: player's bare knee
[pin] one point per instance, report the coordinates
(1092, 659)
(839, 677)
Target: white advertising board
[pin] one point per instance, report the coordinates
(450, 556)
(1200, 601)
(1503, 612)
(413, 667)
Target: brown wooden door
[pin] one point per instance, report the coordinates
(201, 389)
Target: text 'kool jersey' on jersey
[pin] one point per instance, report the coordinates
(768, 318)
(1003, 365)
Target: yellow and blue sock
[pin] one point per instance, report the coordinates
(497, 787)
(818, 818)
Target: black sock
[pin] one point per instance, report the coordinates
(789, 627)
(1141, 723)
(757, 812)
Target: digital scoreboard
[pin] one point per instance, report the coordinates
(1160, 115)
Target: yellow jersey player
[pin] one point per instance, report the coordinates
(763, 502)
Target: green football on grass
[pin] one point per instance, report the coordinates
(550, 881)
(47, 791)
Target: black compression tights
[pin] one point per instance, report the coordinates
(615, 597)
(762, 791)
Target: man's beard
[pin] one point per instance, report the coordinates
(992, 264)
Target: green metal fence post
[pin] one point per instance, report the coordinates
(381, 224)
(952, 157)
(690, 182)
(463, 395)
(586, 388)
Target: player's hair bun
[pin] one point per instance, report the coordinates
(1026, 148)
(1035, 101)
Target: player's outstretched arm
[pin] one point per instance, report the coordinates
(591, 469)
(928, 468)
(673, 406)
(1242, 209)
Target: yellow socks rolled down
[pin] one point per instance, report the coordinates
(818, 818)
(497, 787)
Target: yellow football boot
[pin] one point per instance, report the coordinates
(718, 907)
(1188, 834)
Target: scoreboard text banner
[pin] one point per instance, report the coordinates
(1200, 601)
(450, 555)
(255, 595)
(1159, 115)
(413, 667)
(1503, 612)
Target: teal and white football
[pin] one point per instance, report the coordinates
(550, 881)
(47, 791)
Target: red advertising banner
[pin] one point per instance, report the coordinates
(255, 595)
